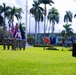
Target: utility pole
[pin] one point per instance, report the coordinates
(26, 20)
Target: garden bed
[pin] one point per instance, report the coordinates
(51, 48)
(43, 45)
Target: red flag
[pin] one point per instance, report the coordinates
(47, 40)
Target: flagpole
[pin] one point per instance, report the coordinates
(26, 20)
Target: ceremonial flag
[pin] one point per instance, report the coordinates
(22, 32)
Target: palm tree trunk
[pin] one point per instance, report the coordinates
(53, 23)
(67, 21)
(44, 21)
(49, 29)
(35, 32)
(38, 33)
(29, 23)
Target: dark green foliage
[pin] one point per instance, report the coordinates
(46, 1)
(68, 31)
(30, 40)
(22, 31)
(51, 48)
(37, 11)
(53, 15)
(68, 16)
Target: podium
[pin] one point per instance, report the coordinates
(74, 50)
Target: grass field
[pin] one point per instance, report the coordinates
(37, 61)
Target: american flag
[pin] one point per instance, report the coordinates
(16, 29)
(11, 29)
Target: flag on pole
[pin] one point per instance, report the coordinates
(11, 31)
(18, 34)
(22, 32)
(47, 40)
(16, 29)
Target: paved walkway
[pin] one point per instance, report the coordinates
(27, 45)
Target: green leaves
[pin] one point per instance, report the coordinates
(53, 15)
(68, 16)
(37, 11)
(68, 31)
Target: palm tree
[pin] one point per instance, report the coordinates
(45, 2)
(37, 11)
(14, 12)
(18, 15)
(68, 17)
(40, 18)
(67, 32)
(53, 17)
(4, 9)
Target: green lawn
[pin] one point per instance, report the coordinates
(37, 61)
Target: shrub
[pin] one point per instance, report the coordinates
(30, 40)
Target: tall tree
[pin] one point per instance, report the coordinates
(67, 32)
(40, 18)
(67, 18)
(4, 9)
(18, 15)
(14, 12)
(53, 17)
(37, 11)
(45, 2)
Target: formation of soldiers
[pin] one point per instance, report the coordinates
(14, 44)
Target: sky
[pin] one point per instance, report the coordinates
(61, 5)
